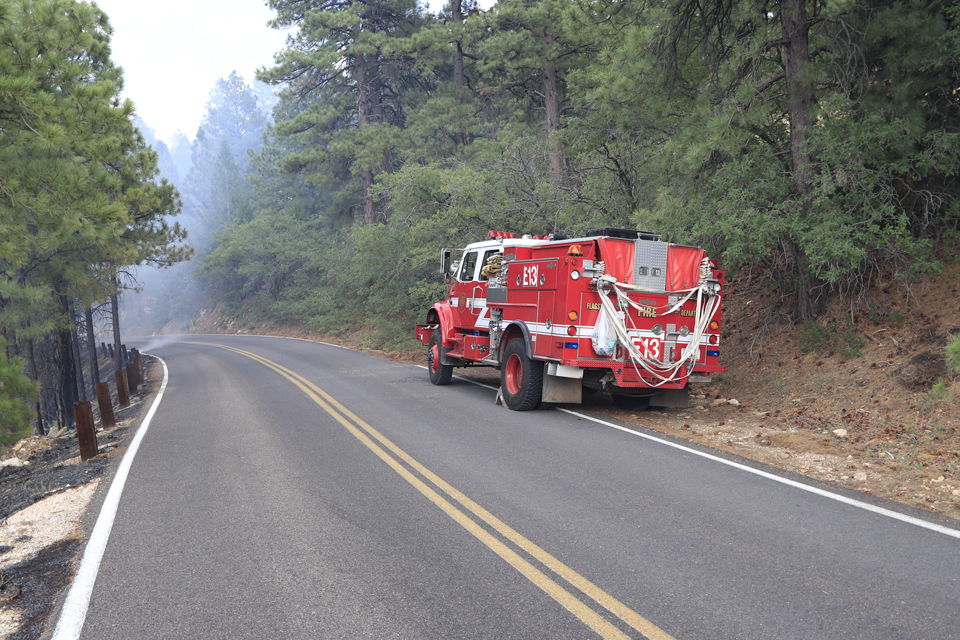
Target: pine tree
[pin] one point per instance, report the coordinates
(339, 65)
(78, 200)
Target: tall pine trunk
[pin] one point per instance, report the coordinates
(809, 298)
(66, 366)
(363, 121)
(35, 376)
(551, 96)
(92, 347)
(459, 76)
(115, 312)
(77, 359)
(7, 341)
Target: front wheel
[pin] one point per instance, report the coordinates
(521, 379)
(440, 373)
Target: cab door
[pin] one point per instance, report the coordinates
(479, 306)
(461, 291)
(468, 293)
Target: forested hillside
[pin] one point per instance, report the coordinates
(820, 139)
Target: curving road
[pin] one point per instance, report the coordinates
(288, 489)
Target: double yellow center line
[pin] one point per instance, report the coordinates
(380, 445)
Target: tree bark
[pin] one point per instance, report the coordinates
(115, 312)
(6, 339)
(809, 299)
(551, 95)
(459, 77)
(67, 372)
(92, 347)
(363, 121)
(36, 378)
(77, 359)
(456, 16)
(799, 89)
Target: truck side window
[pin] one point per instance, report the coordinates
(486, 256)
(469, 267)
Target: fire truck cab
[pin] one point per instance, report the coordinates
(617, 309)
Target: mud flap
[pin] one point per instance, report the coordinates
(566, 387)
(671, 398)
(447, 359)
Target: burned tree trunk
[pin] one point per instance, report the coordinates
(66, 366)
(35, 375)
(92, 346)
(77, 359)
(115, 313)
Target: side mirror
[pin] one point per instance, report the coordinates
(445, 255)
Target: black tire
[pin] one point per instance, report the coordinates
(521, 379)
(440, 374)
(630, 403)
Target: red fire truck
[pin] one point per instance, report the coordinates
(619, 310)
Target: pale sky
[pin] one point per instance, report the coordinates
(172, 52)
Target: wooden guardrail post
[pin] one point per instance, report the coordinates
(138, 363)
(106, 405)
(132, 382)
(123, 394)
(86, 433)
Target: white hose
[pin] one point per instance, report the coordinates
(701, 321)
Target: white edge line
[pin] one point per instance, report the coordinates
(764, 474)
(74, 611)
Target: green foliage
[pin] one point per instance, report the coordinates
(398, 133)
(942, 391)
(878, 314)
(16, 393)
(953, 355)
(813, 337)
(80, 198)
(834, 337)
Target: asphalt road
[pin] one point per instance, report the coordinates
(287, 489)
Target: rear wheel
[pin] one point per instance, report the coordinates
(439, 373)
(521, 379)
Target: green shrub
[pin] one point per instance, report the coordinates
(942, 391)
(813, 337)
(836, 336)
(953, 354)
(16, 393)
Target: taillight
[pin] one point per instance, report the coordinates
(714, 325)
(571, 330)
(573, 315)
